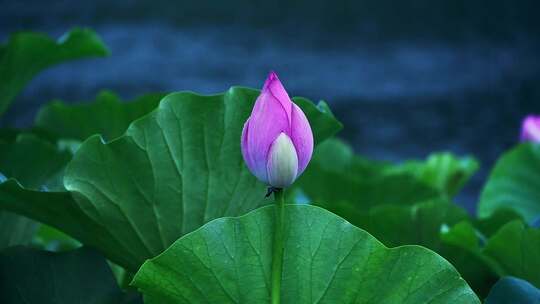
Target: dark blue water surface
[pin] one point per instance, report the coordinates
(405, 79)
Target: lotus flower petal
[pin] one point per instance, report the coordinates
(302, 137)
(530, 129)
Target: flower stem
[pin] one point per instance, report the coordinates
(277, 247)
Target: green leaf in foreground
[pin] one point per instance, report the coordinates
(26, 54)
(326, 260)
(174, 170)
(511, 290)
(514, 183)
(108, 115)
(517, 249)
(80, 276)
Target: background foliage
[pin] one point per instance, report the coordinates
(159, 182)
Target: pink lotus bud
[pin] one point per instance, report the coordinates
(277, 141)
(530, 129)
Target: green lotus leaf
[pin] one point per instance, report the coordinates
(108, 116)
(461, 244)
(517, 250)
(26, 54)
(419, 224)
(438, 225)
(174, 170)
(35, 164)
(337, 176)
(443, 171)
(514, 183)
(490, 225)
(325, 260)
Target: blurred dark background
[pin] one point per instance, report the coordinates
(406, 78)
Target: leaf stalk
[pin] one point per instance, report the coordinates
(277, 247)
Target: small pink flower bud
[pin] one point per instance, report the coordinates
(277, 141)
(530, 129)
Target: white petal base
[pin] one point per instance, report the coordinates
(282, 166)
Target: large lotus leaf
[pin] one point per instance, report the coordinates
(36, 164)
(40, 277)
(46, 205)
(514, 183)
(517, 250)
(108, 115)
(443, 171)
(325, 260)
(511, 290)
(173, 170)
(427, 224)
(337, 176)
(26, 54)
